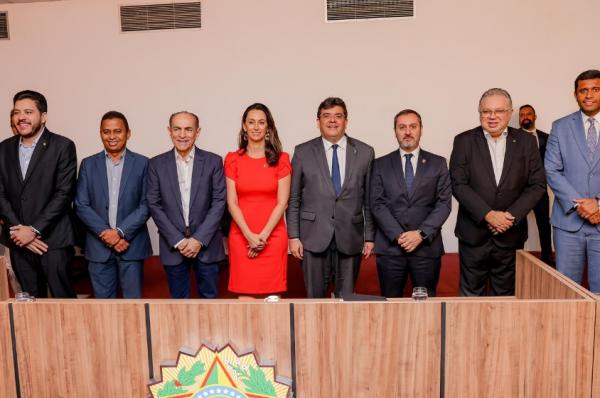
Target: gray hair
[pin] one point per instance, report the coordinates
(496, 91)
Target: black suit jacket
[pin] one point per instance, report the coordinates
(543, 139)
(521, 185)
(396, 211)
(43, 198)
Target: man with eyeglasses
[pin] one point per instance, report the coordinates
(329, 220)
(573, 170)
(497, 178)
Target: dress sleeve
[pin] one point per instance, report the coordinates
(231, 161)
(284, 168)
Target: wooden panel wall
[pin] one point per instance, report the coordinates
(264, 328)
(368, 349)
(519, 349)
(537, 280)
(7, 385)
(81, 348)
(4, 292)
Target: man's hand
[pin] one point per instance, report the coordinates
(499, 221)
(110, 237)
(296, 248)
(368, 249)
(190, 247)
(121, 246)
(410, 240)
(37, 246)
(586, 207)
(595, 218)
(22, 235)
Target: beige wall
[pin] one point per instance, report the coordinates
(283, 53)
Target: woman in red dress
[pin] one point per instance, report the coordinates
(258, 179)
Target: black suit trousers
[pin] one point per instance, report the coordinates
(486, 264)
(542, 219)
(394, 270)
(33, 271)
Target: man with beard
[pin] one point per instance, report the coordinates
(527, 118)
(411, 198)
(37, 181)
(573, 170)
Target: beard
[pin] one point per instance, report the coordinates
(527, 124)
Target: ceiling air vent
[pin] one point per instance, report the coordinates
(345, 10)
(160, 16)
(3, 25)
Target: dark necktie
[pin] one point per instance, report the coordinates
(592, 137)
(335, 171)
(409, 173)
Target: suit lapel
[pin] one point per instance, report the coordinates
(13, 158)
(171, 170)
(196, 175)
(321, 162)
(351, 154)
(128, 163)
(484, 150)
(396, 162)
(511, 146)
(421, 170)
(578, 133)
(38, 154)
(100, 172)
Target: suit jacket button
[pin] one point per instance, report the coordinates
(333, 217)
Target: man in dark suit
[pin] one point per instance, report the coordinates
(329, 220)
(111, 202)
(186, 196)
(411, 198)
(497, 178)
(37, 183)
(527, 118)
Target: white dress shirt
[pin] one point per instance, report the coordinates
(414, 160)
(185, 167)
(341, 154)
(497, 149)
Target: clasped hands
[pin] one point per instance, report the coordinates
(112, 239)
(25, 236)
(409, 240)
(256, 243)
(499, 221)
(587, 208)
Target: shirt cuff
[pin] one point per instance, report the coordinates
(178, 243)
(120, 231)
(38, 233)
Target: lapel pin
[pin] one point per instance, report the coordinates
(44, 144)
(514, 140)
(424, 161)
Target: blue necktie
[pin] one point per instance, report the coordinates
(335, 171)
(409, 174)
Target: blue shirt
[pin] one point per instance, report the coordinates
(25, 154)
(113, 172)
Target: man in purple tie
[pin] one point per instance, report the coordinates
(573, 170)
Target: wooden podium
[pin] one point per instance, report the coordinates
(540, 343)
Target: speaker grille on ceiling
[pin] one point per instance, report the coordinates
(3, 25)
(344, 10)
(161, 16)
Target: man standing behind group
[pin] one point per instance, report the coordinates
(329, 220)
(111, 202)
(37, 183)
(527, 118)
(497, 178)
(573, 170)
(411, 198)
(187, 197)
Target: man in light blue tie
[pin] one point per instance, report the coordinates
(573, 171)
(328, 217)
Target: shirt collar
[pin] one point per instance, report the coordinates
(121, 156)
(35, 141)
(341, 143)
(415, 153)
(585, 118)
(188, 158)
(488, 136)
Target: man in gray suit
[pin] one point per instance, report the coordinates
(329, 220)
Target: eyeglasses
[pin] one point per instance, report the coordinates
(495, 112)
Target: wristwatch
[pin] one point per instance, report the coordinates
(423, 234)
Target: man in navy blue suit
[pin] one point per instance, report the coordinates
(186, 196)
(111, 202)
(411, 197)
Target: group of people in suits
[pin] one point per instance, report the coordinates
(340, 203)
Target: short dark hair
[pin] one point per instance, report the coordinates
(526, 106)
(329, 103)
(407, 112)
(39, 99)
(587, 75)
(115, 115)
(184, 113)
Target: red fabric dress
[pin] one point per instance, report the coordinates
(256, 186)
